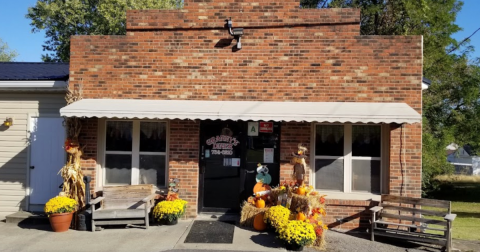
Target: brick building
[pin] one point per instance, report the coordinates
(176, 97)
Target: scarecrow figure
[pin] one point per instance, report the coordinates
(299, 164)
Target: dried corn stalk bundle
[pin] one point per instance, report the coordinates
(73, 185)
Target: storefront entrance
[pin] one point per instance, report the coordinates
(229, 154)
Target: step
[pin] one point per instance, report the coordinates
(23, 217)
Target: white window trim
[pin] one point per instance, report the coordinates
(348, 194)
(101, 147)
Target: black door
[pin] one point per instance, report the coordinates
(221, 154)
(228, 160)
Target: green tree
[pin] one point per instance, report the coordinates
(312, 4)
(6, 54)
(62, 19)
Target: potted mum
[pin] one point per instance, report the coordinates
(60, 210)
(297, 234)
(277, 216)
(168, 212)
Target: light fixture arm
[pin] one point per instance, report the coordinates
(229, 24)
(235, 32)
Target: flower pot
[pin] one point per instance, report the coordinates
(293, 247)
(170, 223)
(60, 222)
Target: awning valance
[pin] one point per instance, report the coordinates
(354, 112)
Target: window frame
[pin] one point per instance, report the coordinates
(135, 153)
(348, 158)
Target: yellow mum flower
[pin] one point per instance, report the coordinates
(60, 204)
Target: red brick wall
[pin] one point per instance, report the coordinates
(406, 160)
(348, 214)
(293, 133)
(288, 54)
(88, 138)
(183, 160)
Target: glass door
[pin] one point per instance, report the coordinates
(262, 147)
(220, 163)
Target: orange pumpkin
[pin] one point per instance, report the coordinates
(301, 216)
(258, 222)
(260, 187)
(260, 203)
(301, 191)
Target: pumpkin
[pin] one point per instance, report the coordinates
(258, 223)
(260, 203)
(260, 187)
(301, 216)
(301, 191)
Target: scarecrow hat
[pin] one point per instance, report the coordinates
(301, 151)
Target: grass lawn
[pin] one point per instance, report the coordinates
(467, 224)
(465, 196)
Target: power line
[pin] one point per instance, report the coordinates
(463, 41)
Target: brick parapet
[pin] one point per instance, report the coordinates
(245, 14)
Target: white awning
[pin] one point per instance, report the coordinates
(363, 112)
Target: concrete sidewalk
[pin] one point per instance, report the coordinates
(170, 238)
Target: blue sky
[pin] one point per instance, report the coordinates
(15, 29)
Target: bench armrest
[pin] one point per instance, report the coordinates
(95, 201)
(149, 197)
(376, 209)
(450, 217)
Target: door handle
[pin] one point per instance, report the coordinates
(32, 167)
(247, 171)
(202, 170)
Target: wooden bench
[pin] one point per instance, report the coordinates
(122, 205)
(403, 217)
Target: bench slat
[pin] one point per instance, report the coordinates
(421, 237)
(414, 210)
(119, 222)
(414, 219)
(416, 201)
(410, 225)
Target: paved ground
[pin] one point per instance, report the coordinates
(170, 238)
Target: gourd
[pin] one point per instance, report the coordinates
(301, 216)
(260, 203)
(301, 191)
(258, 222)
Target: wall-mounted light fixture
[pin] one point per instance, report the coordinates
(235, 32)
(8, 122)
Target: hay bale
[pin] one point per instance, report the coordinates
(319, 243)
(248, 214)
(274, 195)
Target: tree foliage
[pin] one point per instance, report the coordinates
(312, 4)
(6, 54)
(62, 19)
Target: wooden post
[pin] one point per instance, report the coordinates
(147, 206)
(373, 227)
(449, 236)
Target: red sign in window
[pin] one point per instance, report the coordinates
(266, 127)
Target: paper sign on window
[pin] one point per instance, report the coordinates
(252, 129)
(235, 162)
(268, 155)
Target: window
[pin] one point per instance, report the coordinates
(135, 153)
(348, 158)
